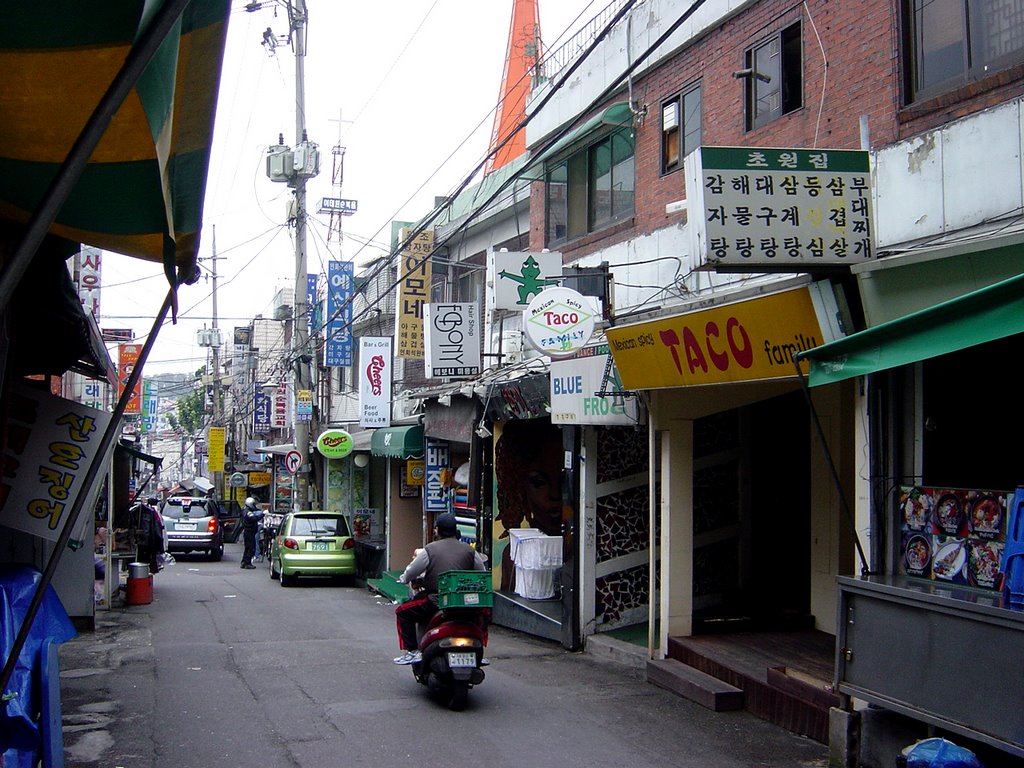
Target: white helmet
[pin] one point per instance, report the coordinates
(250, 502)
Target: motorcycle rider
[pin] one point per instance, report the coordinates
(446, 553)
(251, 516)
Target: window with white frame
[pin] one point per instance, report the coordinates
(949, 43)
(774, 77)
(592, 188)
(680, 128)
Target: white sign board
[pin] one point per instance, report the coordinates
(588, 390)
(452, 340)
(519, 276)
(757, 207)
(559, 322)
(375, 371)
(49, 445)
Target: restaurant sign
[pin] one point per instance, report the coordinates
(748, 340)
(780, 207)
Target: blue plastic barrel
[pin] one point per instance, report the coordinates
(1012, 565)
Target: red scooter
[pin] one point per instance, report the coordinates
(452, 646)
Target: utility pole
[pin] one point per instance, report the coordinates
(295, 167)
(218, 477)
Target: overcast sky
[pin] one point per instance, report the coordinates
(407, 87)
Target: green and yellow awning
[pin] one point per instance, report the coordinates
(141, 192)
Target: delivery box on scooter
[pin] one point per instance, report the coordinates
(465, 589)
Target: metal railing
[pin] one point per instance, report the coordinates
(555, 61)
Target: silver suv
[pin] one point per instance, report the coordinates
(192, 524)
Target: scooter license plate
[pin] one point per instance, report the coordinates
(461, 660)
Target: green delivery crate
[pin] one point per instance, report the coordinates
(465, 589)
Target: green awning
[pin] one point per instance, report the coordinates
(141, 193)
(398, 442)
(984, 315)
(617, 115)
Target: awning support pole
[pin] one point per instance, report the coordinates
(865, 569)
(91, 475)
(78, 157)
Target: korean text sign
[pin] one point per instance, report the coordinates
(51, 443)
(413, 292)
(127, 359)
(776, 207)
(452, 340)
(338, 345)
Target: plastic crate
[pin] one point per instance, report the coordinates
(465, 589)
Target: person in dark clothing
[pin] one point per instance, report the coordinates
(447, 553)
(251, 516)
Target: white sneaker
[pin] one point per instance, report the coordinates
(409, 657)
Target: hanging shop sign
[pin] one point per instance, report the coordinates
(50, 445)
(337, 327)
(127, 358)
(215, 441)
(521, 276)
(304, 405)
(758, 207)
(528, 397)
(452, 340)
(415, 472)
(435, 490)
(237, 480)
(744, 341)
(375, 367)
(559, 322)
(587, 389)
(334, 444)
(257, 479)
(454, 421)
(413, 293)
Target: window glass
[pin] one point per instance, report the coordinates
(774, 77)
(557, 202)
(325, 525)
(591, 188)
(601, 183)
(691, 120)
(680, 128)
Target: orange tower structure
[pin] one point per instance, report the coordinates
(524, 51)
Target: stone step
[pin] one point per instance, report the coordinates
(694, 685)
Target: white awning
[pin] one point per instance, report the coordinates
(277, 450)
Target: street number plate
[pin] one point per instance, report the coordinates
(461, 660)
(318, 546)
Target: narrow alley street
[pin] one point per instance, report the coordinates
(226, 667)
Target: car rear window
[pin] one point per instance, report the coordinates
(320, 525)
(175, 508)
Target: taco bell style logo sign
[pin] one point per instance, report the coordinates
(375, 381)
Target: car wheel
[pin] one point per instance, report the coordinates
(217, 553)
(273, 573)
(286, 580)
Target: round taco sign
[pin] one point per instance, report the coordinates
(558, 322)
(334, 444)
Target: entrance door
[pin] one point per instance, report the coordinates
(752, 517)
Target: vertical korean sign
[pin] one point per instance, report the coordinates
(149, 406)
(260, 411)
(438, 458)
(452, 340)
(127, 358)
(375, 381)
(88, 268)
(337, 328)
(312, 305)
(50, 445)
(777, 207)
(215, 443)
(413, 293)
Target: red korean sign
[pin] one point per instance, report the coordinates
(127, 359)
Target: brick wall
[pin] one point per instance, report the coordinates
(861, 43)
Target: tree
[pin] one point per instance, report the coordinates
(191, 415)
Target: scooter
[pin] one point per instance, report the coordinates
(453, 648)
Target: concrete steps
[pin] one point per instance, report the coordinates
(694, 685)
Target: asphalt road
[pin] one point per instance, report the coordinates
(227, 668)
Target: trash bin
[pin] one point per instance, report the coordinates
(139, 590)
(369, 558)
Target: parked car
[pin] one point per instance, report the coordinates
(230, 514)
(312, 543)
(193, 523)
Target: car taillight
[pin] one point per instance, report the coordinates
(291, 544)
(212, 526)
(348, 544)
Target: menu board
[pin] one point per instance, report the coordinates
(953, 535)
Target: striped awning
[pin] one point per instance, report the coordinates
(141, 192)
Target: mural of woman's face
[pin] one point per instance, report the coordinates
(543, 489)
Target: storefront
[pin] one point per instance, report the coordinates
(946, 458)
(751, 534)
(403, 514)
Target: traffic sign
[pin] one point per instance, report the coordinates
(292, 461)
